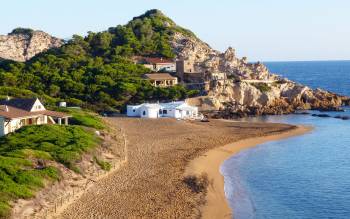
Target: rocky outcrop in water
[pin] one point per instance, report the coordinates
(23, 44)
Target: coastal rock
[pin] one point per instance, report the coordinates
(23, 44)
(248, 88)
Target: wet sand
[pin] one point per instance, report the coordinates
(216, 203)
(151, 184)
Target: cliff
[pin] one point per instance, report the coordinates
(22, 44)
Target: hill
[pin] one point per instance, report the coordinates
(96, 71)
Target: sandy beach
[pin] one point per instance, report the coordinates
(216, 203)
(160, 155)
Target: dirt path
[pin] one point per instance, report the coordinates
(151, 184)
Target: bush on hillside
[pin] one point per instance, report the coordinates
(23, 155)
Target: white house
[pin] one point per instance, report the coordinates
(178, 110)
(157, 64)
(16, 113)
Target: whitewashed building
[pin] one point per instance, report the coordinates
(178, 110)
(16, 113)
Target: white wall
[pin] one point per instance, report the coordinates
(38, 106)
(152, 111)
(167, 67)
(149, 112)
(133, 111)
(12, 126)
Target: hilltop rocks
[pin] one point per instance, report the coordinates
(199, 54)
(23, 45)
(191, 48)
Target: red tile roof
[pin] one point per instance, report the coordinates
(151, 60)
(10, 112)
(20, 108)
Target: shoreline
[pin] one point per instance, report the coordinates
(216, 205)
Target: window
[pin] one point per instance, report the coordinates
(165, 112)
(134, 110)
(160, 111)
(144, 113)
(187, 112)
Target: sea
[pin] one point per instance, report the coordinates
(303, 177)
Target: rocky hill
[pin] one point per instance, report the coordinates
(248, 88)
(22, 44)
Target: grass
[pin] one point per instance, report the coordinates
(263, 87)
(84, 118)
(24, 154)
(103, 164)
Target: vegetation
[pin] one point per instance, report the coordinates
(23, 157)
(263, 87)
(95, 71)
(20, 30)
(103, 164)
(83, 118)
(197, 184)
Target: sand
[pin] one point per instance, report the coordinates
(151, 184)
(216, 203)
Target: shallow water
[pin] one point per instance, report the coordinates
(301, 177)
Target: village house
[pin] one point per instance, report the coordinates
(161, 79)
(16, 113)
(157, 64)
(178, 110)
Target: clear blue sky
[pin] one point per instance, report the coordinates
(259, 29)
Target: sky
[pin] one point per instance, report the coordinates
(262, 30)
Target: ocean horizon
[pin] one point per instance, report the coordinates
(301, 177)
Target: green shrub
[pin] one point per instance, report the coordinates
(263, 87)
(4, 209)
(103, 164)
(84, 118)
(20, 176)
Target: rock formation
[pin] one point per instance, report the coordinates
(248, 88)
(22, 44)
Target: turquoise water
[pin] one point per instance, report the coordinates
(302, 177)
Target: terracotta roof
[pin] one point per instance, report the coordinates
(24, 104)
(160, 76)
(10, 112)
(13, 112)
(152, 60)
